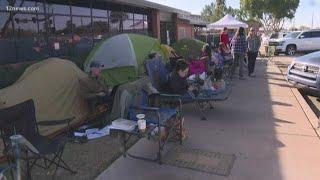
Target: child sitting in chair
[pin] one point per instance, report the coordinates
(178, 81)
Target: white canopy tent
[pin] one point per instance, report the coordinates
(227, 21)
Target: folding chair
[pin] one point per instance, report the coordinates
(157, 115)
(20, 119)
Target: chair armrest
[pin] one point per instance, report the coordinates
(146, 108)
(170, 95)
(171, 98)
(56, 122)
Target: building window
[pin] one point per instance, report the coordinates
(116, 21)
(128, 23)
(40, 5)
(60, 25)
(182, 32)
(23, 3)
(82, 11)
(138, 16)
(100, 13)
(62, 28)
(3, 5)
(7, 46)
(41, 24)
(26, 33)
(58, 9)
(82, 25)
(100, 28)
(5, 25)
(25, 25)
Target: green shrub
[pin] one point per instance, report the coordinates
(188, 47)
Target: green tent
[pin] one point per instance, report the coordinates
(123, 56)
(188, 47)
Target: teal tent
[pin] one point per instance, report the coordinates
(123, 56)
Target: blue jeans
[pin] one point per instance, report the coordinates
(238, 59)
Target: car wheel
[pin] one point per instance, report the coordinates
(291, 50)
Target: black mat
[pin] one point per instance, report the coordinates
(199, 160)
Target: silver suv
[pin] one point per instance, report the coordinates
(304, 71)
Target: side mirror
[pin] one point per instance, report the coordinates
(301, 37)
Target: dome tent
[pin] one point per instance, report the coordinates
(123, 56)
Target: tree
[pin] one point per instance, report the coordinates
(220, 8)
(303, 28)
(116, 17)
(271, 13)
(240, 14)
(214, 11)
(208, 13)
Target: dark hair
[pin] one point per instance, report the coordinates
(152, 55)
(96, 64)
(240, 32)
(207, 49)
(181, 65)
(225, 28)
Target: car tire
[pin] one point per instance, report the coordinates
(291, 50)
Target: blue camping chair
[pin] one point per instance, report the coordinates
(159, 76)
(160, 111)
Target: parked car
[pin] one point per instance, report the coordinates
(305, 41)
(290, 35)
(266, 38)
(304, 71)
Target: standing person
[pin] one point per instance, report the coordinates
(254, 43)
(239, 49)
(224, 38)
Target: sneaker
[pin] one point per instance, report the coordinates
(252, 75)
(242, 78)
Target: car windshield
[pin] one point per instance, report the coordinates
(292, 35)
(274, 36)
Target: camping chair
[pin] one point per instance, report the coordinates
(168, 115)
(20, 119)
(159, 78)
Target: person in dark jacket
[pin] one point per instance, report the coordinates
(178, 80)
(254, 43)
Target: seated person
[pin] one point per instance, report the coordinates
(93, 86)
(178, 81)
(218, 58)
(205, 52)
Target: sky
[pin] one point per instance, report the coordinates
(303, 14)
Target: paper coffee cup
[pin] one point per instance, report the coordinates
(142, 125)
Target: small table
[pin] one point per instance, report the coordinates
(126, 135)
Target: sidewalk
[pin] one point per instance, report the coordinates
(262, 123)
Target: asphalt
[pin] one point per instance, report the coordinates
(262, 123)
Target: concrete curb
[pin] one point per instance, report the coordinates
(312, 117)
